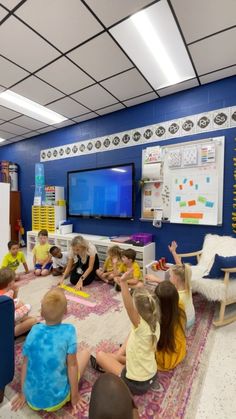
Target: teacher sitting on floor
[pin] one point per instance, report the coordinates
(82, 263)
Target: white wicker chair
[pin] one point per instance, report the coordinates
(223, 290)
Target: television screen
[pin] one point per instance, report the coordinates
(104, 192)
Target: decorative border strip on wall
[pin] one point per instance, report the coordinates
(195, 124)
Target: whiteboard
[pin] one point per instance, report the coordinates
(4, 218)
(191, 185)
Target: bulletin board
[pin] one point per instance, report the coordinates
(183, 183)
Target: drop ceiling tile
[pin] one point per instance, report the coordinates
(127, 85)
(10, 73)
(25, 47)
(5, 134)
(94, 97)
(47, 129)
(16, 139)
(68, 107)
(10, 4)
(201, 18)
(215, 52)
(51, 18)
(3, 13)
(65, 76)
(101, 57)
(64, 124)
(7, 114)
(111, 11)
(2, 89)
(37, 90)
(110, 109)
(217, 75)
(85, 117)
(140, 99)
(188, 84)
(13, 128)
(31, 134)
(29, 123)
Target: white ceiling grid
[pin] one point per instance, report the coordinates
(61, 54)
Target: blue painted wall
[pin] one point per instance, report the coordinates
(200, 99)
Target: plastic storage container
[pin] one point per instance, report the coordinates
(144, 238)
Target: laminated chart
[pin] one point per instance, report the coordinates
(195, 198)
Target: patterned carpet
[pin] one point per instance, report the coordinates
(104, 327)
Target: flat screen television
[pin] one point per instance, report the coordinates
(105, 192)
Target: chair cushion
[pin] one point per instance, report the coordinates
(221, 262)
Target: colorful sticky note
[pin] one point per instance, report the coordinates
(209, 204)
(185, 180)
(178, 198)
(191, 183)
(191, 203)
(201, 199)
(191, 215)
(181, 187)
(208, 179)
(182, 204)
(190, 221)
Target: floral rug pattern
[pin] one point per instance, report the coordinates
(170, 394)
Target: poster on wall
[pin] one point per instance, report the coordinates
(194, 198)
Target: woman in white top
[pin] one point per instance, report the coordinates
(82, 263)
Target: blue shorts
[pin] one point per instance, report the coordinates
(39, 266)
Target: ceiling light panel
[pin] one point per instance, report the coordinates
(27, 107)
(152, 40)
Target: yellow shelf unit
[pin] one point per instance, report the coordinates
(47, 217)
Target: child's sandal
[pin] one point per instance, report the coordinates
(95, 365)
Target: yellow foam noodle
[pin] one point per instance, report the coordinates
(74, 291)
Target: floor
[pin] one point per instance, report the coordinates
(217, 399)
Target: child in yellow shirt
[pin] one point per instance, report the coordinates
(41, 257)
(111, 266)
(14, 258)
(134, 278)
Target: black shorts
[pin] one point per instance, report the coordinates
(137, 387)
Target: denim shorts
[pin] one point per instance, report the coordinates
(39, 266)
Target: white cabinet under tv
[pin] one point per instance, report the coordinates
(144, 254)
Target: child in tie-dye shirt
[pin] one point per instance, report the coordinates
(51, 366)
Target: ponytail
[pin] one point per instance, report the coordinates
(148, 308)
(185, 273)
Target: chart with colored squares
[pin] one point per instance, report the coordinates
(191, 187)
(194, 199)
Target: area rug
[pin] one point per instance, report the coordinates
(105, 326)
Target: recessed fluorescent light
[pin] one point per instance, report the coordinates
(2, 139)
(152, 40)
(118, 170)
(27, 107)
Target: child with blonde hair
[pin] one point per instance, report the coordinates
(135, 361)
(41, 257)
(111, 265)
(171, 347)
(23, 323)
(51, 366)
(180, 276)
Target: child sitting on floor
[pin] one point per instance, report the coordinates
(111, 266)
(59, 260)
(23, 323)
(41, 258)
(135, 361)
(14, 258)
(51, 366)
(111, 398)
(171, 347)
(134, 278)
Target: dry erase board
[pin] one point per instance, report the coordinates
(185, 181)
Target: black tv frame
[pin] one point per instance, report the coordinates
(103, 216)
